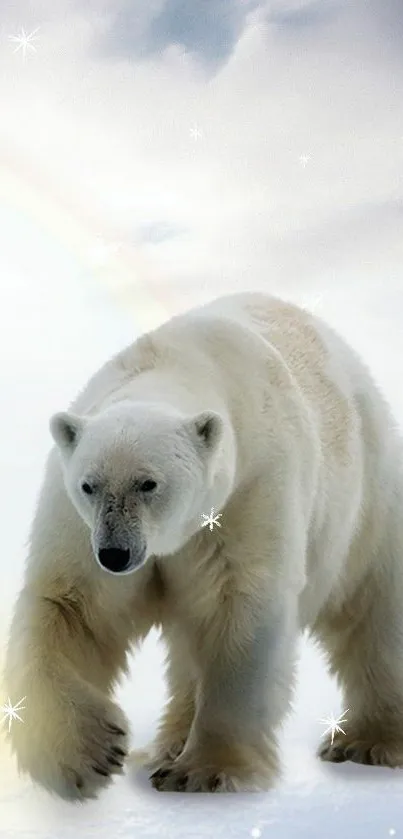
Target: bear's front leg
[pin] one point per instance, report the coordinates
(242, 697)
(175, 725)
(73, 737)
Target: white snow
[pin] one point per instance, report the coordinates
(42, 364)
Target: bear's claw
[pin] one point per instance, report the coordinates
(173, 780)
(101, 771)
(363, 750)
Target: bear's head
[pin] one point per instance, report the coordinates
(140, 475)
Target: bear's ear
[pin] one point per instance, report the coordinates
(66, 429)
(207, 429)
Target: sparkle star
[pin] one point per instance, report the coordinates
(10, 711)
(195, 133)
(211, 520)
(334, 725)
(303, 159)
(24, 41)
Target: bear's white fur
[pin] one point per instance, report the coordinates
(253, 409)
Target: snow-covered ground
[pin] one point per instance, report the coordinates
(56, 327)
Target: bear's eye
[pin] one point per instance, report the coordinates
(87, 488)
(148, 486)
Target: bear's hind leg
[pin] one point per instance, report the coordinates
(364, 643)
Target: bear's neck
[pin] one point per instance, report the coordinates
(176, 390)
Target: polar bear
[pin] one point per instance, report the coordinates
(248, 415)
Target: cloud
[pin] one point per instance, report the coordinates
(100, 119)
(297, 14)
(208, 29)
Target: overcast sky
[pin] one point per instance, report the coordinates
(190, 147)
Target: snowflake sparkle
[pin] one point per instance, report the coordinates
(10, 711)
(334, 725)
(24, 41)
(195, 133)
(211, 520)
(303, 159)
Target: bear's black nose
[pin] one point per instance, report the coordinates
(114, 559)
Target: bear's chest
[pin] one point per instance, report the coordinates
(198, 586)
